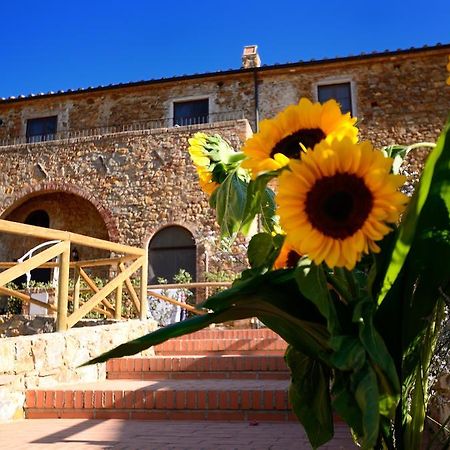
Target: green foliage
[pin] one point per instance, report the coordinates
(229, 201)
(13, 304)
(238, 202)
(360, 342)
(310, 396)
(263, 250)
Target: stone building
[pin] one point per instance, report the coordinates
(112, 161)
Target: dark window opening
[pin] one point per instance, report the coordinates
(171, 249)
(341, 92)
(41, 129)
(191, 112)
(40, 218)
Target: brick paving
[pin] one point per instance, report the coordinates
(160, 435)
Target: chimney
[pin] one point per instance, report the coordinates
(250, 57)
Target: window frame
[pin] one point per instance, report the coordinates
(186, 100)
(339, 80)
(42, 137)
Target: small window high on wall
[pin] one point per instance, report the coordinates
(341, 92)
(41, 129)
(171, 249)
(191, 112)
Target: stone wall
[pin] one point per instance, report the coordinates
(126, 186)
(401, 99)
(44, 360)
(123, 187)
(398, 98)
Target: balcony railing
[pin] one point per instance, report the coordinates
(119, 128)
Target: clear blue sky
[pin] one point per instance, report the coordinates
(52, 45)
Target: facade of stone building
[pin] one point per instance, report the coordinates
(112, 161)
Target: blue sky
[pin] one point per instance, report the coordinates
(52, 45)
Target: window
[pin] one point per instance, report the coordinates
(341, 92)
(39, 218)
(41, 129)
(171, 249)
(191, 112)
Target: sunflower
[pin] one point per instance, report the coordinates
(337, 200)
(215, 159)
(202, 162)
(298, 126)
(288, 257)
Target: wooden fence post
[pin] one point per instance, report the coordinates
(144, 279)
(118, 310)
(63, 288)
(76, 288)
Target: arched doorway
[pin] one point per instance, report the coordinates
(171, 249)
(58, 210)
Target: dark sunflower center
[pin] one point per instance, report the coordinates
(290, 145)
(292, 258)
(339, 205)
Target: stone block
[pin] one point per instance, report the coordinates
(7, 355)
(24, 356)
(55, 350)
(39, 352)
(11, 404)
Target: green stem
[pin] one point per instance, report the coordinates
(339, 287)
(351, 284)
(419, 400)
(419, 145)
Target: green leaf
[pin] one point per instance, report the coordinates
(435, 179)
(348, 353)
(345, 404)
(263, 250)
(156, 337)
(409, 302)
(312, 282)
(273, 298)
(260, 200)
(398, 153)
(366, 395)
(229, 200)
(310, 397)
(379, 354)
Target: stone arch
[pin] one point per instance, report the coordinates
(22, 195)
(68, 207)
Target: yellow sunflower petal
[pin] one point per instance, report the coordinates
(298, 126)
(338, 200)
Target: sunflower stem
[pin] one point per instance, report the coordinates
(419, 145)
(338, 286)
(352, 286)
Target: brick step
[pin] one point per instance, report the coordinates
(198, 367)
(168, 399)
(226, 333)
(258, 346)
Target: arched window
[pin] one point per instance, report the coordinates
(171, 249)
(38, 218)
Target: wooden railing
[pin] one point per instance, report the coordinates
(132, 260)
(151, 291)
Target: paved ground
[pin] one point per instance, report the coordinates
(143, 435)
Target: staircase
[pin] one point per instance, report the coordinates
(214, 374)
